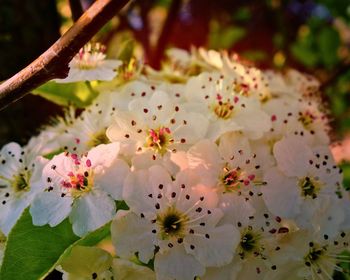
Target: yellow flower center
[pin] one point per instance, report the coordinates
(97, 139)
(90, 56)
(172, 223)
(309, 187)
(20, 182)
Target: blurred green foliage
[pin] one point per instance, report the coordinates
(79, 94)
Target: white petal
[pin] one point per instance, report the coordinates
(160, 98)
(292, 156)
(177, 264)
(236, 209)
(218, 249)
(131, 234)
(10, 155)
(112, 179)
(204, 158)
(91, 211)
(223, 273)
(281, 194)
(254, 122)
(195, 129)
(103, 155)
(50, 208)
(10, 215)
(139, 184)
(58, 168)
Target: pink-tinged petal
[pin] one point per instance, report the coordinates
(204, 159)
(103, 155)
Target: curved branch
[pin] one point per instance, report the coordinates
(53, 63)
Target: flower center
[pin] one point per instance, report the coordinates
(159, 139)
(90, 56)
(130, 70)
(306, 119)
(80, 180)
(249, 243)
(315, 254)
(223, 110)
(21, 182)
(172, 223)
(309, 187)
(97, 139)
(242, 88)
(234, 179)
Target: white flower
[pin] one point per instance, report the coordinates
(90, 65)
(156, 123)
(212, 58)
(247, 79)
(303, 185)
(258, 248)
(53, 138)
(293, 83)
(86, 263)
(20, 181)
(83, 188)
(216, 96)
(307, 255)
(89, 129)
(179, 218)
(229, 168)
(179, 57)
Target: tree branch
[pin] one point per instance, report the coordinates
(169, 23)
(76, 9)
(53, 63)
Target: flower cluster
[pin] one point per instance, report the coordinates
(225, 171)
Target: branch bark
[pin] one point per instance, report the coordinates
(53, 63)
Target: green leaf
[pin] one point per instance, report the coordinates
(54, 153)
(345, 166)
(78, 94)
(242, 14)
(121, 205)
(32, 252)
(303, 51)
(223, 38)
(328, 42)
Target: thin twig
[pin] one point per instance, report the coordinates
(145, 7)
(76, 9)
(53, 63)
(165, 34)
